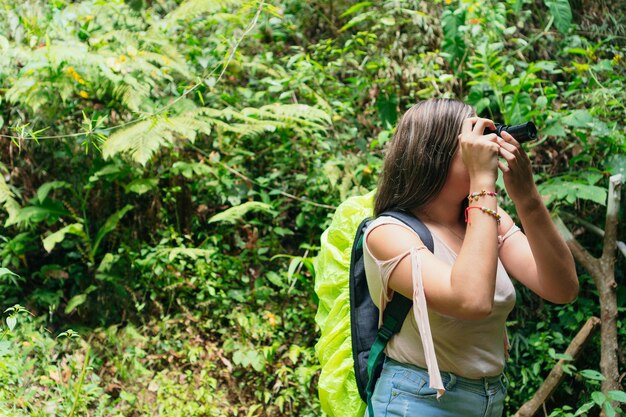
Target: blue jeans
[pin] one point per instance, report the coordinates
(402, 390)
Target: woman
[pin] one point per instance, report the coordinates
(448, 358)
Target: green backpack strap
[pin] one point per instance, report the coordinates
(393, 317)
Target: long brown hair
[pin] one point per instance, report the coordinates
(419, 155)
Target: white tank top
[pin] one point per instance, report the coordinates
(468, 348)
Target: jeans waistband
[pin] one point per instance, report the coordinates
(486, 385)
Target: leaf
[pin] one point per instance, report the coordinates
(275, 278)
(7, 200)
(47, 210)
(609, 410)
(293, 265)
(11, 322)
(57, 237)
(598, 397)
(387, 109)
(356, 20)
(5, 271)
(561, 12)
(45, 188)
(453, 42)
(559, 189)
(355, 8)
(617, 165)
(109, 226)
(593, 375)
(584, 408)
(579, 118)
(74, 302)
(141, 186)
(233, 214)
(617, 396)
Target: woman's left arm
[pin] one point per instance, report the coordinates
(539, 258)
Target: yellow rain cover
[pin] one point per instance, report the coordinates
(337, 388)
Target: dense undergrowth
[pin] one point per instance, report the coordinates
(172, 227)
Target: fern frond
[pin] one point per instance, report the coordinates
(191, 9)
(143, 139)
(132, 94)
(193, 253)
(291, 115)
(140, 140)
(233, 214)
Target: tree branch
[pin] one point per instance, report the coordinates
(610, 228)
(557, 374)
(595, 229)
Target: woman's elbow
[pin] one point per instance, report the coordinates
(476, 311)
(567, 295)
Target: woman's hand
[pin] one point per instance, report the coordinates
(517, 171)
(479, 151)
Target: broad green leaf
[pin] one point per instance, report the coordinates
(45, 189)
(609, 410)
(617, 165)
(48, 210)
(293, 265)
(356, 20)
(74, 302)
(555, 128)
(141, 186)
(561, 12)
(275, 278)
(593, 375)
(191, 169)
(578, 118)
(584, 408)
(11, 322)
(57, 237)
(234, 214)
(109, 226)
(5, 271)
(387, 109)
(281, 231)
(559, 189)
(598, 397)
(356, 8)
(617, 396)
(108, 170)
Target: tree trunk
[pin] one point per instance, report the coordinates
(603, 272)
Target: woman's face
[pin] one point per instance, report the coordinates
(458, 181)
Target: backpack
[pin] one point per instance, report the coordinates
(347, 316)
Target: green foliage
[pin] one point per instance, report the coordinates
(170, 166)
(561, 13)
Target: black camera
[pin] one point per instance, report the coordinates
(522, 133)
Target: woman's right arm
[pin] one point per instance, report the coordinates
(466, 289)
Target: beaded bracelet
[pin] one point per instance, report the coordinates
(476, 195)
(486, 210)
